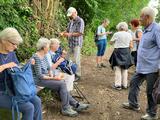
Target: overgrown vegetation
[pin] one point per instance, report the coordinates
(17, 14)
(94, 11)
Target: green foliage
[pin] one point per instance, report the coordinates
(158, 15)
(20, 16)
(94, 11)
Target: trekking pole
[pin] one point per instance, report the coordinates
(80, 93)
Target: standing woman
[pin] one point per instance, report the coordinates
(9, 41)
(120, 59)
(102, 42)
(136, 33)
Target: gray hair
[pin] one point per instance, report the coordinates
(42, 42)
(11, 34)
(122, 26)
(149, 11)
(54, 41)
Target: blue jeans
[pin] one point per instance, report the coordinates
(30, 110)
(101, 47)
(135, 84)
(60, 87)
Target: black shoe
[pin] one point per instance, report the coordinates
(99, 66)
(126, 105)
(103, 65)
(116, 87)
(123, 87)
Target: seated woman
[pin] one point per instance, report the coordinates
(9, 41)
(45, 78)
(121, 58)
(54, 46)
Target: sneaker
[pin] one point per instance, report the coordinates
(123, 87)
(148, 117)
(126, 105)
(69, 112)
(81, 107)
(103, 65)
(99, 66)
(116, 87)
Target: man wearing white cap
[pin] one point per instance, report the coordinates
(74, 33)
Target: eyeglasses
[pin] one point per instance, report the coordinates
(14, 44)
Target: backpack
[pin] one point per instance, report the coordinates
(156, 91)
(96, 35)
(24, 86)
(67, 66)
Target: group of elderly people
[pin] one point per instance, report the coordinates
(44, 74)
(146, 52)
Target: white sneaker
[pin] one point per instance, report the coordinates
(148, 117)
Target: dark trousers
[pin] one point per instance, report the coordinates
(135, 84)
(60, 87)
(134, 56)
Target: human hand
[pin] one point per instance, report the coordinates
(108, 32)
(65, 34)
(57, 78)
(10, 65)
(33, 61)
(61, 59)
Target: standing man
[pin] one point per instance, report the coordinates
(148, 60)
(74, 33)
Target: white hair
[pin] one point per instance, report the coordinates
(11, 34)
(54, 41)
(149, 11)
(122, 26)
(42, 42)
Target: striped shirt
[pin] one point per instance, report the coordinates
(77, 26)
(40, 68)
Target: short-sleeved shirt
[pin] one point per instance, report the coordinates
(135, 44)
(4, 59)
(100, 30)
(148, 58)
(121, 39)
(76, 25)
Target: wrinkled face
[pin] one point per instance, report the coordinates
(54, 47)
(9, 46)
(144, 20)
(74, 14)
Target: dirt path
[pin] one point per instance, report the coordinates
(105, 102)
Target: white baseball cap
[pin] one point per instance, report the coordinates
(70, 11)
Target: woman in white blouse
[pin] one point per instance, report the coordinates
(120, 59)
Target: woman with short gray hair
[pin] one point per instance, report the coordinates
(122, 26)
(9, 41)
(120, 59)
(44, 77)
